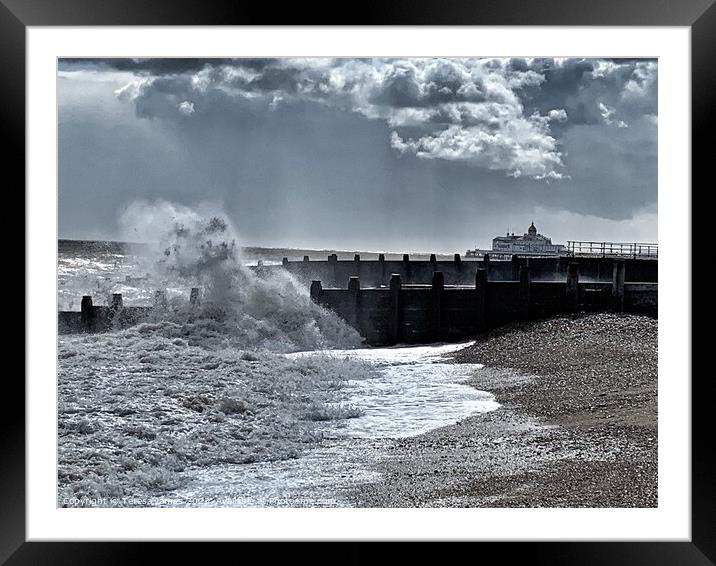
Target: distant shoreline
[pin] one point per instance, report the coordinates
(256, 252)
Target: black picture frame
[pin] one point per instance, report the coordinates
(699, 15)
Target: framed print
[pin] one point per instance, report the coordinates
(392, 279)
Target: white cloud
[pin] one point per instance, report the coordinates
(558, 115)
(465, 109)
(459, 109)
(519, 146)
(133, 89)
(186, 107)
(642, 80)
(607, 113)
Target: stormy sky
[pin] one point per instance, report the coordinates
(372, 154)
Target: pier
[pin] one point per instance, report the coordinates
(634, 250)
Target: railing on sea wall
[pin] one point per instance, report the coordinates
(632, 250)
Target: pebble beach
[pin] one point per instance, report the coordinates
(576, 426)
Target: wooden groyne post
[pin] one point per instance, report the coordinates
(618, 279)
(572, 287)
(357, 265)
(316, 289)
(438, 287)
(87, 314)
(354, 288)
(516, 264)
(333, 261)
(525, 292)
(395, 323)
(481, 300)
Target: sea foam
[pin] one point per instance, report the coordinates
(195, 386)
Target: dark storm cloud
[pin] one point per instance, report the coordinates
(580, 86)
(400, 143)
(461, 109)
(398, 88)
(442, 82)
(575, 85)
(163, 66)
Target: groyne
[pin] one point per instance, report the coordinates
(421, 303)
(401, 313)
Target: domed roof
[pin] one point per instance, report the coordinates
(532, 229)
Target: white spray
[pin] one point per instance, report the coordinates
(267, 311)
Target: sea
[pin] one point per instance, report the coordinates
(257, 397)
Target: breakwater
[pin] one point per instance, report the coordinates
(436, 312)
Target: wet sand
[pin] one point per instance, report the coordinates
(577, 426)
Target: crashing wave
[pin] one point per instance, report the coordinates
(141, 409)
(238, 305)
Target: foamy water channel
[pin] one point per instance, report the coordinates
(415, 390)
